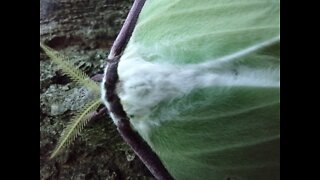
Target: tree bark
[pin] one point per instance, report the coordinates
(85, 28)
(88, 23)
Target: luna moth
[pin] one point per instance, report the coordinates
(199, 82)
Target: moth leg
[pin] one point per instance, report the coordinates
(97, 115)
(97, 77)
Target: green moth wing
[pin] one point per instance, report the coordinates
(200, 80)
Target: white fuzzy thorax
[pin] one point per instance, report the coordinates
(143, 85)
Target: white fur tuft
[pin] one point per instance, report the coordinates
(143, 85)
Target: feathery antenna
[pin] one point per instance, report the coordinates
(83, 116)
